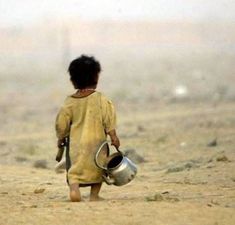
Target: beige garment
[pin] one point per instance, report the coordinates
(86, 120)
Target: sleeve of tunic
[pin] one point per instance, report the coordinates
(63, 122)
(108, 114)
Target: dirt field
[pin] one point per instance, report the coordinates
(173, 85)
(187, 177)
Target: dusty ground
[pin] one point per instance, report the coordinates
(189, 148)
(182, 181)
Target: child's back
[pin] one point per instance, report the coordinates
(86, 120)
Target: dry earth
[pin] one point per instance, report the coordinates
(189, 148)
(184, 180)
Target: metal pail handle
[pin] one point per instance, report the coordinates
(97, 154)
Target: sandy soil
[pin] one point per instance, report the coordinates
(184, 180)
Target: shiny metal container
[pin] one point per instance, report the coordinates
(119, 169)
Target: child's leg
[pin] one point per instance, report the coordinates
(95, 189)
(75, 194)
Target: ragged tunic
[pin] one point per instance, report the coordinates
(86, 121)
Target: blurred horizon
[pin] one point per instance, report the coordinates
(164, 49)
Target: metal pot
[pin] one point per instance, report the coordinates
(119, 169)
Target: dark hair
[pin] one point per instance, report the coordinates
(84, 71)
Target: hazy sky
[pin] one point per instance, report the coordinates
(13, 12)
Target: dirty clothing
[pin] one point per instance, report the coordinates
(86, 121)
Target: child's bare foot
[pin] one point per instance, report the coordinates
(96, 198)
(95, 189)
(75, 194)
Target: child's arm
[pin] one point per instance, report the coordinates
(114, 138)
(109, 120)
(63, 121)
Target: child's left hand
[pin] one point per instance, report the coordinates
(60, 144)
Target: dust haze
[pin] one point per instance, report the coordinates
(173, 85)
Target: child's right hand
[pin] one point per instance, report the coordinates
(115, 142)
(114, 138)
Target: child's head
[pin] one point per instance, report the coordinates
(84, 72)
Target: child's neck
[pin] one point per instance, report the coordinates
(84, 92)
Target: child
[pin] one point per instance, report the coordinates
(85, 120)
